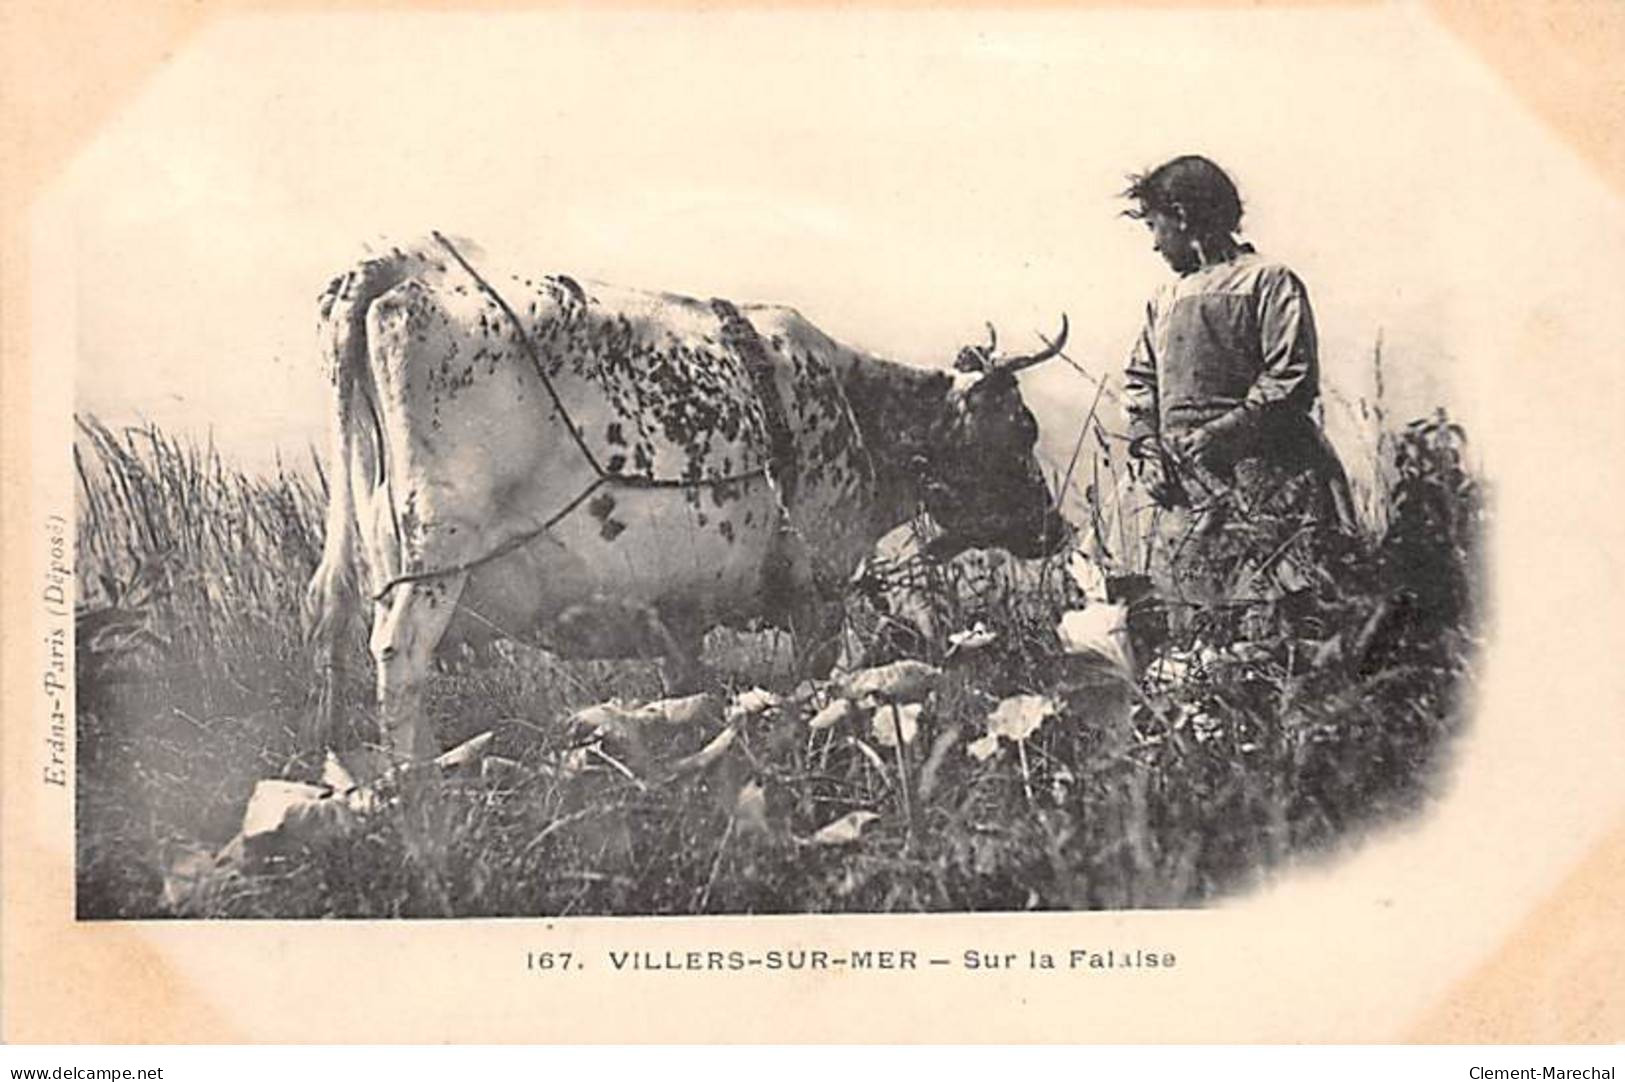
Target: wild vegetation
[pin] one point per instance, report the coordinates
(1242, 739)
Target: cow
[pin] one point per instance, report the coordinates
(611, 472)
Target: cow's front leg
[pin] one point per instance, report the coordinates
(817, 633)
(405, 632)
(679, 632)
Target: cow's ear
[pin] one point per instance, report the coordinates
(979, 358)
(971, 359)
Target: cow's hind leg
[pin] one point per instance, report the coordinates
(331, 600)
(331, 629)
(353, 457)
(330, 604)
(405, 632)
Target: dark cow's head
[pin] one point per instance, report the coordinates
(984, 486)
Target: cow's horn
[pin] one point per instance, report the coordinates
(1015, 364)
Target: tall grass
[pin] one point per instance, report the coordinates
(1230, 756)
(216, 558)
(191, 672)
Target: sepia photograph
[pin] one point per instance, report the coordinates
(928, 633)
(752, 463)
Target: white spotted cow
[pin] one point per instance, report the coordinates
(612, 472)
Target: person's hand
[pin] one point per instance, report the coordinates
(1145, 463)
(1197, 457)
(1150, 474)
(1196, 446)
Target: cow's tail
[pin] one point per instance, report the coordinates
(355, 457)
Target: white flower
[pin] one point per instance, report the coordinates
(836, 712)
(888, 720)
(1100, 631)
(1015, 718)
(972, 638)
(901, 681)
(845, 830)
(754, 701)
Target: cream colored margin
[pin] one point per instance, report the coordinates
(1250, 969)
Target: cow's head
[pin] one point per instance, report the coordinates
(985, 488)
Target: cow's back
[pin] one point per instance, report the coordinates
(641, 446)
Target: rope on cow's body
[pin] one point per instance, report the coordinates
(602, 477)
(503, 549)
(524, 340)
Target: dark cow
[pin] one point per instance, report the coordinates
(611, 472)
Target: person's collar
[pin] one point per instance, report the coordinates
(1239, 249)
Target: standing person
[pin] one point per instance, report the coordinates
(1219, 390)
